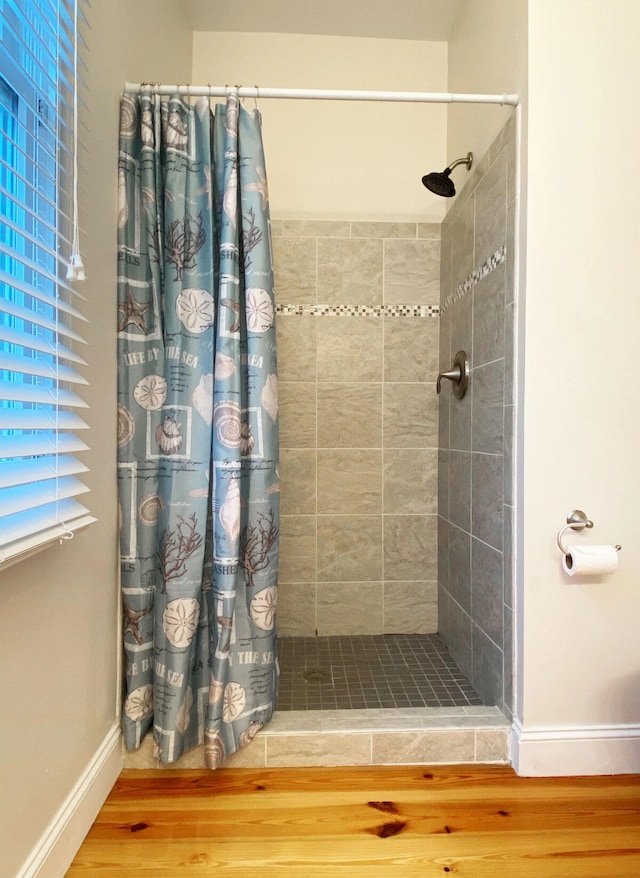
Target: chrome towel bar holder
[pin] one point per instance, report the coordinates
(576, 520)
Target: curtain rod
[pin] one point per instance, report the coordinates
(314, 94)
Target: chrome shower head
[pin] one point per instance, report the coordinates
(441, 183)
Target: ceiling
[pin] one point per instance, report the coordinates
(391, 19)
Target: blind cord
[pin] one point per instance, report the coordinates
(75, 268)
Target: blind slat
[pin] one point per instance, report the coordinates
(10, 390)
(42, 295)
(42, 220)
(36, 469)
(39, 367)
(40, 319)
(23, 497)
(40, 443)
(21, 232)
(38, 343)
(40, 419)
(35, 521)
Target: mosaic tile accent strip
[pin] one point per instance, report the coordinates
(475, 277)
(360, 310)
(369, 672)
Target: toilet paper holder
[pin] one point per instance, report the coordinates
(576, 520)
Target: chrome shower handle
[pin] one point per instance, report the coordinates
(458, 374)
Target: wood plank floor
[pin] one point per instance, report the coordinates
(471, 821)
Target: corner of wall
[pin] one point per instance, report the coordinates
(59, 842)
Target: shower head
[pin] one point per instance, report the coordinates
(441, 183)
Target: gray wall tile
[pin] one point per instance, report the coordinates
(410, 607)
(294, 265)
(487, 668)
(443, 613)
(460, 489)
(410, 481)
(349, 548)
(486, 498)
(297, 481)
(349, 349)
(462, 233)
(296, 348)
(460, 567)
(349, 415)
(487, 425)
(410, 349)
(349, 271)
(460, 638)
(443, 551)
(349, 482)
(487, 600)
(297, 548)
(443, 482)
(508, 454)
(491, 210)
(316, 228)
(297, 609)
(509, 353)
(410, 415)
(410, 548)
(412, 271)
(349, 608)
(488, 317)
(460, 411)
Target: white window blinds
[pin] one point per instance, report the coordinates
(40, 318)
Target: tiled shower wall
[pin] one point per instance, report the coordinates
(475, 607)
(357, 361)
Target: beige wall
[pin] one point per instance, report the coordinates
(580, 644)
(488, 55)
(58, 642)
(339, 160)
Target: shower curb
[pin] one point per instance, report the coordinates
(417, 736)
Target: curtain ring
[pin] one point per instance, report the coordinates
(255, 98)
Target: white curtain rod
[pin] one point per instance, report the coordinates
(315, 94)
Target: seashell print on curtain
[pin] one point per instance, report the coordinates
(197, 426)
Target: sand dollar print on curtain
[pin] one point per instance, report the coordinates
(197, 426)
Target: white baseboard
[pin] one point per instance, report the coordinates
(544, 751)
(59, 843)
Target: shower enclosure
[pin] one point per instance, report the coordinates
(397, 506)
(396, 503)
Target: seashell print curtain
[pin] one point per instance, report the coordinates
(197, 426)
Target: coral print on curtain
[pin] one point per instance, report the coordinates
(197, 426)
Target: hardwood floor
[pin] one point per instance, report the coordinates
(472, 821)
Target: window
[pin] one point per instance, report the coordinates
(40, 322)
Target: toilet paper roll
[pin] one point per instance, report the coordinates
(590, 560)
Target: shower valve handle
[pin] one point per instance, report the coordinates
(458, 374)
(452, 374)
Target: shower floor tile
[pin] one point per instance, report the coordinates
(379, 671)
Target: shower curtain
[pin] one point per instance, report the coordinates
(197, 426)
